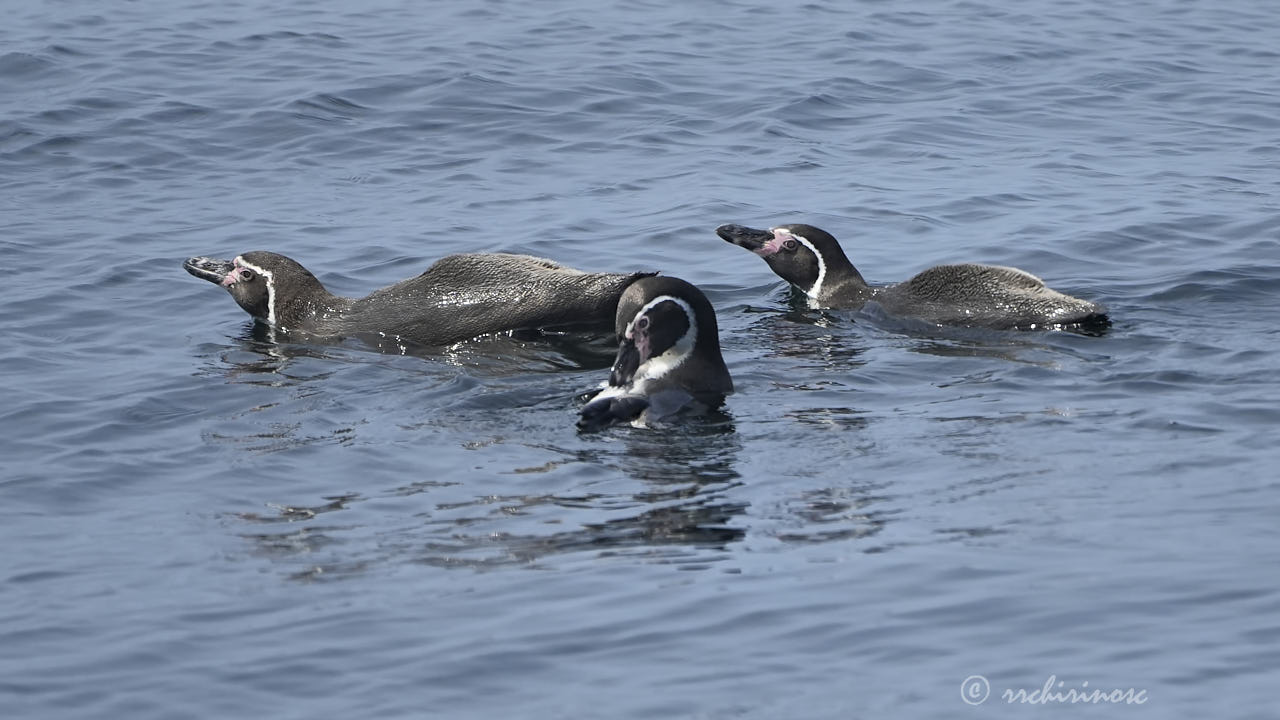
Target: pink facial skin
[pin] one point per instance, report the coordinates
(641, 338)
(779, 236)
(231, 278)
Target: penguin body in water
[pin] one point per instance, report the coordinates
(668, 356)
(966, 294)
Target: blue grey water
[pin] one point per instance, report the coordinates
(200, 522)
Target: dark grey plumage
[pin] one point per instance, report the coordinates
(966, 294)
(458, 298)
(668, 356)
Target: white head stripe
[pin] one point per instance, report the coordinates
(658, 301)
(674, 355)
(816, 290)
(271, 288)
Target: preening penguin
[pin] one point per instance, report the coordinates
(458, 298)
(966, 294)
(668, 356)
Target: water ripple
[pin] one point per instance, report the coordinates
(210, 518)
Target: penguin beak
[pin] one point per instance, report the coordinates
(211, 269)
(756, 241)
(626, 364)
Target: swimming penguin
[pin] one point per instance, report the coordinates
(668, 356)
(458, 298)
(967, 294)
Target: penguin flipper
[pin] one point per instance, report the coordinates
(605, 411)
(667, 402)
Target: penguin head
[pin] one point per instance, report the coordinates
(803, 255)
(268, 286)
(661, 322)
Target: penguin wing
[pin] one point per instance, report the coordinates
(608, 409)
(668, 402)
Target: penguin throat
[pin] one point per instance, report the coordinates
(668, 361)
(816, 289)
(270, 279)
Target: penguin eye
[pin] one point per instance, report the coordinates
(790, 245)
(246, 274)
(643, 323)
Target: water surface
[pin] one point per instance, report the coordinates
(201, 522)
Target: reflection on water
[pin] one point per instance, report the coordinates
(813, 335)
(692, 522)
(666, 531)
(1020, 346)
(836, 513)
(699, 449)
(288, 395)
(261, 349)
(678, 506)
(837, 338)
(831, 418)
(288, 513)
(258, 351)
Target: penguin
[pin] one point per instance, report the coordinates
(968, 294)
(458, 298)
(668, 357)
